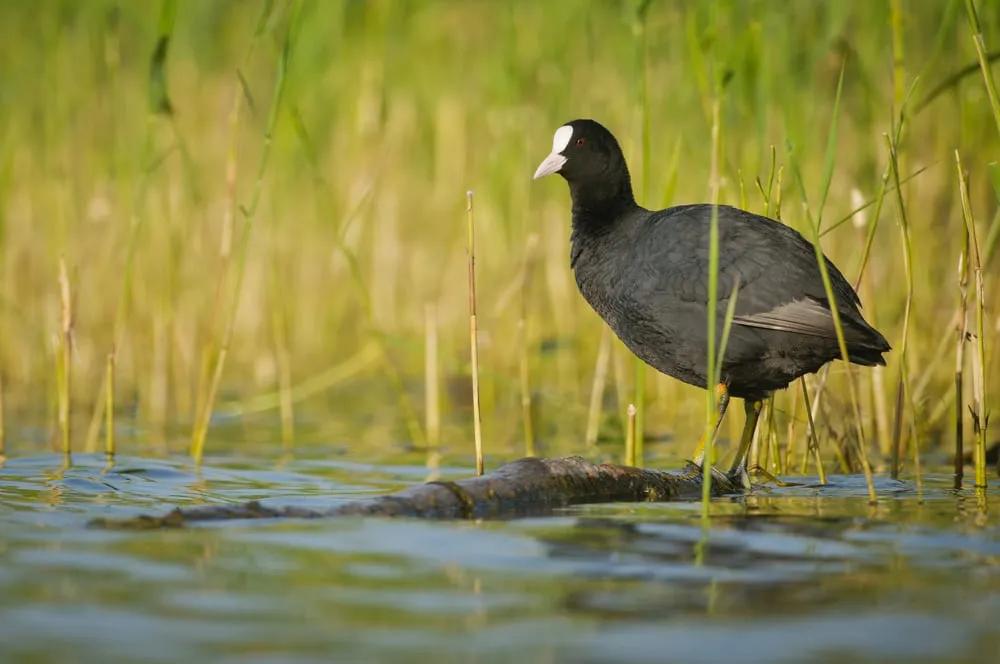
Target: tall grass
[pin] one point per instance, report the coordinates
(904, 393)
(216, 362)
(962, 331)
(984, 62)
(642, 76)
(357, 172)
(714, 359)
(816, 224)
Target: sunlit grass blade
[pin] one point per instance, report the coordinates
(249, 213)
(877, 201)
(815, 226)
(903, 391)
(984, 62)
(642, 67)
(159, 97)
(713, 360)
(339, 374)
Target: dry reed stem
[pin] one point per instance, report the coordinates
(639, 397)
(473, 335)
(777, 462)
(3, 430)
(791, 440)
(524, 384)
(283, 360)
(903, 390)
(597, 387)
(980, 418)
(524, 366)
(962, 331)
(881, 409)
(65, 357)
(630, 452)
(109, 405)
(813, 435)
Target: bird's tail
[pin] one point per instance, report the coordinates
(866, 345)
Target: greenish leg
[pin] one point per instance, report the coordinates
(722, 401)
(752, 409)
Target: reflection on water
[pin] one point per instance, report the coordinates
(792, 574)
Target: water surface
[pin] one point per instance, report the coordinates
(792, 574)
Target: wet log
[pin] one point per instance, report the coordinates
(524, 487)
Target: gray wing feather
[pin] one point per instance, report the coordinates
(803, 316)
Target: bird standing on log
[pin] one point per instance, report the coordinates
(646, 274)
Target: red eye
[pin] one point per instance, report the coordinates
(580, 141)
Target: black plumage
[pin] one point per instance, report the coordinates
(646, 274)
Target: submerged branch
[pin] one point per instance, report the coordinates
(523, 487)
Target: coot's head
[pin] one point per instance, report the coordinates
(582, 151)
(588, 156)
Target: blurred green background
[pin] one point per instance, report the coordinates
(146, 168)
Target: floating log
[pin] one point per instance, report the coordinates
(524, 487)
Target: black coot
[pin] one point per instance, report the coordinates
(646, 274)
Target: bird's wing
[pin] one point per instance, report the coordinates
(771, 268)
(803, 316)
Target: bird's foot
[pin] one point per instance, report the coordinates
(696, 469)
(741, 477)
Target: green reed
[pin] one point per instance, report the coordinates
(714, 360)
(904, 390)
(217, 362)
(815, 227)
(979, 42)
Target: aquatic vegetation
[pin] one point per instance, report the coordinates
(180, 128)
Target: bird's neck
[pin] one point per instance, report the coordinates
(598, 206)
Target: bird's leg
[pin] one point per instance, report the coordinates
(752, 409)
(722, 403)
